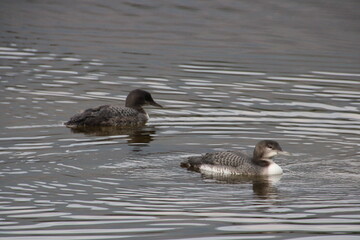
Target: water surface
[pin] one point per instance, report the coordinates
(228, 73)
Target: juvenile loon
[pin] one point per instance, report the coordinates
(239, 163)
(107, 115)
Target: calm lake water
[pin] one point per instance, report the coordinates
(228, 73)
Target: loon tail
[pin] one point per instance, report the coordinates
(192, 163)
(75, 121)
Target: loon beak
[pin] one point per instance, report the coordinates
(284, 153)
(153, 103)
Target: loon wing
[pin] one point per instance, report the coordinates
(82, 117)
(98, 115)
(230, 158)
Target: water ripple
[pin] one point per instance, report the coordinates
(225, 80)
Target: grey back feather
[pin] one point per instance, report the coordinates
(235, 162)
(229, 158)
(108, 115)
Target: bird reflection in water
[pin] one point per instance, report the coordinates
(263, 186)
(139, 136)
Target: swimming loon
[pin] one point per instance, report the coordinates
(107, 115)
(239, 163)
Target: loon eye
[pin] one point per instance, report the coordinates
(270, 146)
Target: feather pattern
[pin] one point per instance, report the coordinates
(108, 115)
(229, 158)
(230, 162)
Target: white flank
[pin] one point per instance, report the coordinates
(216, 170)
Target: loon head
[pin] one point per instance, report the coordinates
(267, 149)
(138, 98)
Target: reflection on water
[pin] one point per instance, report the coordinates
(229, 73)
(135, 136)
(264, 187)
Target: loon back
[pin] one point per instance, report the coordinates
(108, 115)
(229, 158)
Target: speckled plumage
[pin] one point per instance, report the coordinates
(229, 158)
(108, 115)
(230, 162)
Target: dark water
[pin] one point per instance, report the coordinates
(229, 73)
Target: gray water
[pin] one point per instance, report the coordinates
(228, 73)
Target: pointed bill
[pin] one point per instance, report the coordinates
(153, 103)
(284, 153)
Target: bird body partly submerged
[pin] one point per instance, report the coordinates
(111, 115)
(238, 163)
(108, 115)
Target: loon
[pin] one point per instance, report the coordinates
(239, 163)
(108, 115)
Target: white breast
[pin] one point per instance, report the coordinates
(273, 169)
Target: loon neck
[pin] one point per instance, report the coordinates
(262, 162)
(137, 108)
